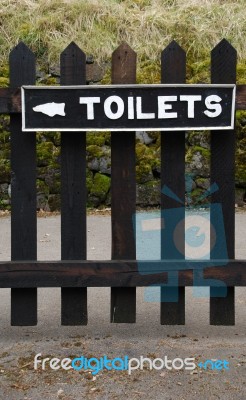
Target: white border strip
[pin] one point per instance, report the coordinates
(162, 129)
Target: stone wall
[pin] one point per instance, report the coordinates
(99, 161)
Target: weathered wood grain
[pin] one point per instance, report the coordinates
(23, 190)
(123, 191)
(73, 193)
(223, 70)
(123, 273)
(173, 70)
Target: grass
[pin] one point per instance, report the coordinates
(99, 26)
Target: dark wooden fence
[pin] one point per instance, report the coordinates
(73, 273)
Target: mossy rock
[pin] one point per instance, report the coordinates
(101, 163)
(196, 198)
(5, 151)
(198, 161)
(203, 183)
(199, 139)
(42, 187)
(89, 180)
(53, 180)
(4, 171)
(148, 194)
(97, 138)
(147, 155)
(240, 196)
(99, 189)
(54, 202)
(43, 202)
(155, 136)
(4, 131)
(5, 138)
(47, 153)
(94, 151)
(144, 173)
(4, 82)
(4, 196)
(54, 137)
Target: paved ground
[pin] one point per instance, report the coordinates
(19, 380)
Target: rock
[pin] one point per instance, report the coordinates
(143, 137)
(54, 70)
(54, 202)
(94, 73)
(197, 161)
(102, 164)
(203, 183)
(42, 202)
(99, 189)
(201, 139)
(89, 59)
(190, 184)
(148, 194)
(4, 188)
(240, 195)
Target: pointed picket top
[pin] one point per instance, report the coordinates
(223, 63)
(173, 64)
(21, 49)
(173, 46)
(124, 60)
(72, 50)
(73, 61)
(22, 66)
(224, 47)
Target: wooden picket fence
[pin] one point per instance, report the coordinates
(73, 273)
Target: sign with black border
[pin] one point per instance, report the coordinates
(163, 107)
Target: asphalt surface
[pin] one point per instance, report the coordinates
(19, 380)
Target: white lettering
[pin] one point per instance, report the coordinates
(65, 363)
(216, 107)
(140, 113)
(191, 103)
(189, 362)
(89, 101)
(179, 361)
(130, 107)
(54, 363)
(132, 367)
(120, 107)
(36, 361)
(163, 107)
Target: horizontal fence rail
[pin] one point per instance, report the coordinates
(74, 273)
(10, 99)
(119, 273)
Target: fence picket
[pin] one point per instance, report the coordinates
(23, 190)
(223, 70)
(123, 191)
(173, 70)
(73, 193)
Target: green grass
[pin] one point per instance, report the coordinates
(99, 26)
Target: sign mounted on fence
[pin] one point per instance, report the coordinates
(128, 107)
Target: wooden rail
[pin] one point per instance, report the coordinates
(124, 273)
(10, 99)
